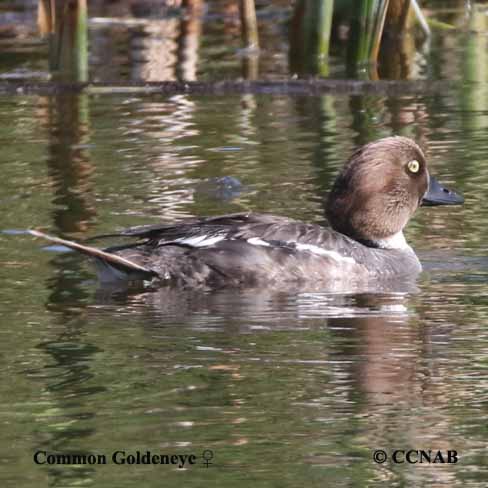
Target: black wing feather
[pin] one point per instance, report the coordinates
(229, 223)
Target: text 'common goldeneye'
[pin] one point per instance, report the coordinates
(370, 203)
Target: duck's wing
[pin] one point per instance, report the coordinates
(222, 224)
(254, 228)
(126, 261)
(244, 244)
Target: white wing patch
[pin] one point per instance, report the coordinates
(206, 240)
(323, 252)
(256, 241)
(200, 241)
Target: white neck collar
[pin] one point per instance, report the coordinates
(396, 241)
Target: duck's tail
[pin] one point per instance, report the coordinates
(110, 267)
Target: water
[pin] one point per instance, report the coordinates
(284, 389)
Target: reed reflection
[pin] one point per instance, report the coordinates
(162, 40)
(66, 372)
(65, 24)
(68, 417)
(66, 121)
(189, 40)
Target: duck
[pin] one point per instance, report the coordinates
(371, 201)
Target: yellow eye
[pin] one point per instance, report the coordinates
(413, 166)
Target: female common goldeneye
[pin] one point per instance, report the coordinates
(370, 203)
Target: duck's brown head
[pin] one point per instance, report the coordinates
(379, 189)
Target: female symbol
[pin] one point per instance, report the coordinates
(207, 455)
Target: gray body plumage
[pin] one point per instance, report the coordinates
(253, 249)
